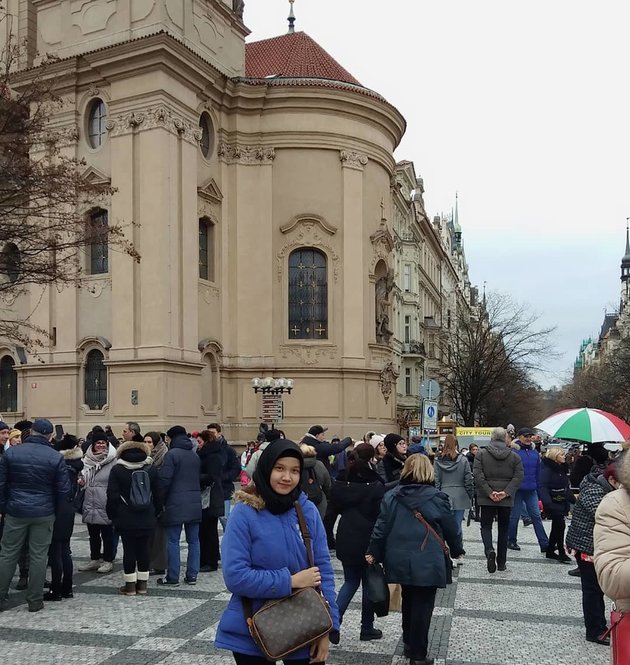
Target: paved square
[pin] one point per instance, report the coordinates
(529, 614)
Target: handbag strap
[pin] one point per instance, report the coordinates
(430, 530)
(613, 625)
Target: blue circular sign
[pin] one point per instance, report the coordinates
(431, 411)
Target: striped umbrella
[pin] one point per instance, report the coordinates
(588, 425)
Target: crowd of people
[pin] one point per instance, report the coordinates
(373, 501)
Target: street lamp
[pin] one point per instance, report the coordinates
(271, 386)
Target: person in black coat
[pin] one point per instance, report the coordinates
(134, 524)
(231, 470)
(395, 457)
(209, 452)
(556, 497)
(358, 501)
(180, 474)
(59, 552)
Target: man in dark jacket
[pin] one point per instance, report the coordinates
(179, 475)
(498, 472)
(33, 482)
(527, 495)
(230, 472)
(315, 437)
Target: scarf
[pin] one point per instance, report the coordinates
(276, 503)
(157, 454)
(93, 462)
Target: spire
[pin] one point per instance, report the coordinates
(456, 225)
(627, 255)
(291, 17)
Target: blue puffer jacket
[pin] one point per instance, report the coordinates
(401, 543)
(260, 551)
(179, 475)
(531, 466)
(33, 479)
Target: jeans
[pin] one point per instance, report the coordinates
(244, 659)
(209, 539)
(459, 518)
(417, 608)
(354, 575)
(192, 562)
(135, 551)
(227, 509)
(530, 499)
(60, 559)
(593, 606)
(38, 532)
(101, 541)
(502, 514)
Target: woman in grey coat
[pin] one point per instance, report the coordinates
(98, 461)
(454, 477)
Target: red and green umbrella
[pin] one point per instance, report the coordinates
(588, 425)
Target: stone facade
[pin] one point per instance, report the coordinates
(260, 169)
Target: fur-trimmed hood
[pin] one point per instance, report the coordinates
(250, 497)
(133, 445)
(73, 453)
(623, 471)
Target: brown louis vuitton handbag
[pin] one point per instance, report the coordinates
(283, 626)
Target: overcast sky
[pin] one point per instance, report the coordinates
(523, 108)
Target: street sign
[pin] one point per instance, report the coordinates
(429, 414)
(271, 408)
(430, 389)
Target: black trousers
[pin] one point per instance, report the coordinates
(101, 542)
(502, 513)
(417, 608)
(60, 560)
(593, 606)
(209, 539)
(136, 552)
(556, 535)
(244, 659)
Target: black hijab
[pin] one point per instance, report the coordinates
(274, 502)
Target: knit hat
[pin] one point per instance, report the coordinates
(391, 440)
(376, 440)
(317, 429)
(175, 431)
(98, 434)
(3, 425)
(68, 442)
(364, 451)
(14, 432)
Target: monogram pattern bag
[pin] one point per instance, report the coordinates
(283, 626)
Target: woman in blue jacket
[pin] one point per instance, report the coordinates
(264, 556)
(412, 554)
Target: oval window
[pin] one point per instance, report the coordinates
(206, 143)
(96, 130)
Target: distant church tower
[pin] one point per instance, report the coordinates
(625, 274)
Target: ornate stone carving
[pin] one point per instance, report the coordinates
(96, 287)
(309, 355)
(210, 191)
(155, 116)
(383, 290)
(353, 160)
(307, 233)
(232, 153)
(387, 377)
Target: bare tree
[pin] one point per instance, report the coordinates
(480, 353)
(44, 234)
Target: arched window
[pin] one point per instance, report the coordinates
(96, 130)
(99, 247)
(308, 295)
(95, 380)
(8, 385)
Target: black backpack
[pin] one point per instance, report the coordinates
(311, 487)
(140, 495)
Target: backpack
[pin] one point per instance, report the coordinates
(140, 495)
(311, 487)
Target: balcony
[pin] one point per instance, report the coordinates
(413, 349)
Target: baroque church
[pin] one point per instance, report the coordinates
(259, 180)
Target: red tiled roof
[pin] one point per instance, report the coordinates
(294, 55)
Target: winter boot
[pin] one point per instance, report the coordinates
(141, 584)
(129, 587)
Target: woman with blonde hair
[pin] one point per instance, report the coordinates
(408, 538)
(556, 497)
(454, 477)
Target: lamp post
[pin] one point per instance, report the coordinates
(272, 391)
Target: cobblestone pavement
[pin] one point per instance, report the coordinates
(530, 614)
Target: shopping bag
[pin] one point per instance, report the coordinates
(395, 597)
(377, 590)
(619, 638)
